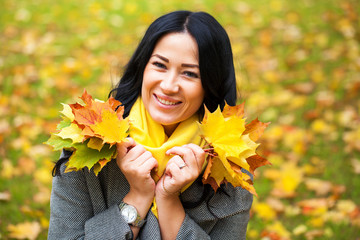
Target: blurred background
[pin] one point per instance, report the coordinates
(298, 66)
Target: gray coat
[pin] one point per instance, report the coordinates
(84, 206)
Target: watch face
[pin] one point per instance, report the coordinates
(129, 213)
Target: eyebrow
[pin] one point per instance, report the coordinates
(161, 57)
(190, 65)
(183, 65)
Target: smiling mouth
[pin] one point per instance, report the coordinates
(166, 102)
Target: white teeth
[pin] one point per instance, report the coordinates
(165, 102)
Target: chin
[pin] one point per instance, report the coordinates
(166, 122)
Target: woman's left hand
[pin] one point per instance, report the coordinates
(181, 169)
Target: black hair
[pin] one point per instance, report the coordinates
(215, 63)
(215, 58)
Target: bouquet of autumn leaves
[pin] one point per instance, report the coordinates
(91, 130)
(231, 147)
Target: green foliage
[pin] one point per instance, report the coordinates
(87, 157)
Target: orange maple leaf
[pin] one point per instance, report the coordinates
(100, 119)
(255, 129)
(91, 112)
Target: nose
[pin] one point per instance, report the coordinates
(169, 84)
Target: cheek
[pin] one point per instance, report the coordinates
(197, 96)
(146, 84)
(143, 89)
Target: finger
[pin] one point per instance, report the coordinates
(134, 153)
(129, 142)
(177, 160)
(149, 164)
(167, 185)
(176, 178)
(199, 154)
(187, 155)
(143, 158)
(173, 171)
(124, 146)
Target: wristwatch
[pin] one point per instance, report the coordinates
(131, 215)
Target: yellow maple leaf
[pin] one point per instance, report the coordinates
(218, 174)
(225, 135)
(233, 147)
(95, 143)
(67, 112)
(73, 132)
(111, 129)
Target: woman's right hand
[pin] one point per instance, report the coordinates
(136, 164)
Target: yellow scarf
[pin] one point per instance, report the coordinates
(145, 131)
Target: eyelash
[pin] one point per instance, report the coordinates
(191, 74)
(159, 65)
(186, 73)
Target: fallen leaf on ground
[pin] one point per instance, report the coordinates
(264, 211)
(321, 187)
(26, 230)
(356, 165)
(5, 196)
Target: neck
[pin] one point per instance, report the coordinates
(169, 129)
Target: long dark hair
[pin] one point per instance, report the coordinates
(215, 63)
(215, 58)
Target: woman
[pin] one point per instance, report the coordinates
(183, 62)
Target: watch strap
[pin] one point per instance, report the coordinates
(122, 204)
(138, 222)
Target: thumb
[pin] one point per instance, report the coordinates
(124, 146)
(127, 143)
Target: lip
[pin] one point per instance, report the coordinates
(166, 98)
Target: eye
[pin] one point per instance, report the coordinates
(191, 74)
(159, 65)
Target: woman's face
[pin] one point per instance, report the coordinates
(171, 88)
